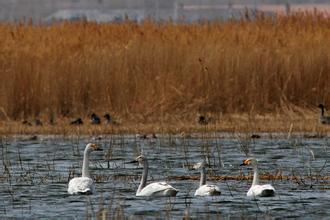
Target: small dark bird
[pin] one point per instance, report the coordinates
(313, 136)
(202, 120)
(25, 122)
(146, 136)
(255, 136)
(52, 119)
(141, 136)
(33, 138)
(323, 119)
(37, 122)
(95, 120)
(78, 121)
(109, 119)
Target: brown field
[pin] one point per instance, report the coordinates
(260, 75)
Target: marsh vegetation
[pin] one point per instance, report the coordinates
(158, 73)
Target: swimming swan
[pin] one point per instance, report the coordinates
(205, 189)
(256, 189)
(323, 119)
(84, 184)
(153, 189)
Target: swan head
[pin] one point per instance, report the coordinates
(321, 106)
(200, 165)
(93, 147)
(249, 161)
(141, 160)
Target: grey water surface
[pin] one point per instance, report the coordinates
(34, 175)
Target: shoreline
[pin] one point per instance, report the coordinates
(232, 124)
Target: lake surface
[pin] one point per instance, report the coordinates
(35, 171)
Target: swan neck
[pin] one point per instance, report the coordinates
(143, 182)
(203, 177)
(322, 111)
(255, 175)
(85, 167)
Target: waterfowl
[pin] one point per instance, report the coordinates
(78, 121)
(257, 190)
(95, 120)
(141, 136)
(255, 136)
(84, 184)
(205, 189)
(202, 120)
(52, 120)
(25, 122)
(109, 119)
(152, 189)
(37, 122)
(323, 119)
(146, 136)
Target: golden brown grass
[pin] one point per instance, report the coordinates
(161, 74)
(306, 123)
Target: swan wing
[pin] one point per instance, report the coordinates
(261, 190)
(158, 189)
(208, 190)
(81, 185)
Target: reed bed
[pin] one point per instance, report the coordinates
(152, 73)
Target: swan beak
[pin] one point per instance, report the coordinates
(96, 148)
(246, 162)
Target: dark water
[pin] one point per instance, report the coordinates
(34, 176)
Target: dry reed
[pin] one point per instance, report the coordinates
(155, 73)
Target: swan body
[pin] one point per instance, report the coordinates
(208, 190)
(84, 184)
(81, 185)
(323, 119)
(266, 190)
(158, 189)
(257, 190)
(153, 189)
(205, 189)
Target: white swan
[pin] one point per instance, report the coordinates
(84, 184)
(205, 189)
(255, 190)
(153, 189)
